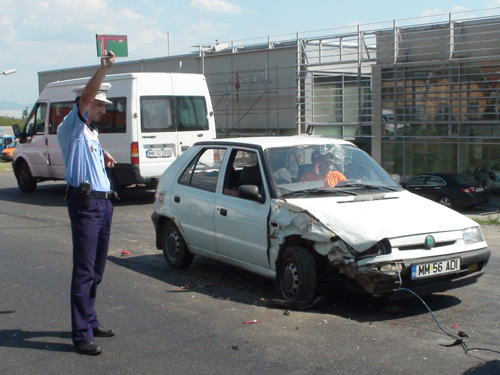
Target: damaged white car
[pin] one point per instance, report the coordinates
(311, 213)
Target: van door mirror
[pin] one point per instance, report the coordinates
(16, 130)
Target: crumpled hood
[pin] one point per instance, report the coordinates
(364, 220)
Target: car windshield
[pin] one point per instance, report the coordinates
(326, 169)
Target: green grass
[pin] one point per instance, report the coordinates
(491, 220)
(9, 121)
(5, 166)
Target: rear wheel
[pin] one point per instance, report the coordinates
(446, 201)
(296, 276)
(25, 181)
(175, 250)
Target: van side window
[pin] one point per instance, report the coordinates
(36, 121)
(57, 113)
(115, 118)
(203, 172)
(192, 113)
(157, 114)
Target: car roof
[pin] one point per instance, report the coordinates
(277, 141)
(438, 174)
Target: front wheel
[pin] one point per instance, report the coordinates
(25, 181)
(175, 250)
(296, 276)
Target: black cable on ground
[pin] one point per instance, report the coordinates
(458, 340)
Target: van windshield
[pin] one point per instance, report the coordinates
(173, 113)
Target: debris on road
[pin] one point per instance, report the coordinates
(251, 321)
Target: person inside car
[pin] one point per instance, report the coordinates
(323, 170)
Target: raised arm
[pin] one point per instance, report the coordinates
(92, 88)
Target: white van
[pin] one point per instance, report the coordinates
(154, 117)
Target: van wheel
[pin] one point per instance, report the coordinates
(25, 181)
(296, 276)
(175, 250)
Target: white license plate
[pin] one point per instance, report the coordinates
(166, 153)
(479, 189)
(435, 268)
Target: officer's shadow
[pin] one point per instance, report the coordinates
(38, 340)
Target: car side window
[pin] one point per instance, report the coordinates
(435, 181)
(243, 169)
(203, 172)
(416, 181)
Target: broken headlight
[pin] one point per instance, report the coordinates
(380, 248)
(472, 235)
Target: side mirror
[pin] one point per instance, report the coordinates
(21, 136)
(16, 130)
(250, 192)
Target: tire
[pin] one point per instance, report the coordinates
(446, 201)
(174, 248)
(25, 181)
(296, 276)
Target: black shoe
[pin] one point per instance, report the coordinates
(103, 332)
(89, 348)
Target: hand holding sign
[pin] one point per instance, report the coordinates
(116, 43)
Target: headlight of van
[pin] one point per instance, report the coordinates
(472, 235)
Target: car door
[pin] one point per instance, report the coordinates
(241, 225)
(416, 185)
(194, 198)
(434, 187)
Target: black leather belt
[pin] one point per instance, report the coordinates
(93, 193)
(101, 194)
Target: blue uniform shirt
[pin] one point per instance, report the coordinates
(82, 153)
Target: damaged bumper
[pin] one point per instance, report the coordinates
(387, 278)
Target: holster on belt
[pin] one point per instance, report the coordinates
(82, 192)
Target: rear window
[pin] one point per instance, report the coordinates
(173, 113)
(157, 114)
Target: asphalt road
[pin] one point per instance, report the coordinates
(192, 321)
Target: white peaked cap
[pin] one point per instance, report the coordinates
(101, 95)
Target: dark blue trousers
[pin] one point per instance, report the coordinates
(90, 228)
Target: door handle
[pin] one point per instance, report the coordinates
(223, 212)
(177, 199)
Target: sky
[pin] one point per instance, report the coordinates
(47, 35)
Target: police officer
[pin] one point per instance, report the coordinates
(89, 206)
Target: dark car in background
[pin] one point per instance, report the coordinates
(455, 190)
